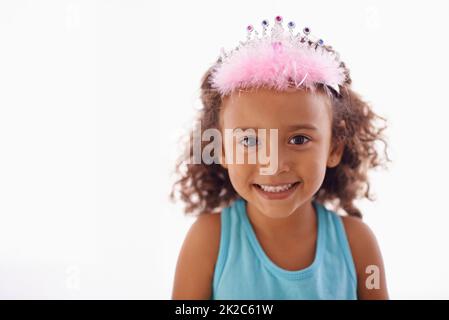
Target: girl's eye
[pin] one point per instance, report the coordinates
(249, 141)
(299, 140)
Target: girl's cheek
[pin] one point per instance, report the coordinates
(240, 175)
(316, 171)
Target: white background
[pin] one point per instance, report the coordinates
(94, 96)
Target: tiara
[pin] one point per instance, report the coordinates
(278, 60)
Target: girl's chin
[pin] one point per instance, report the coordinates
(283, 214)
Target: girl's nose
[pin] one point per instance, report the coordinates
(283, 166)
(284, 161)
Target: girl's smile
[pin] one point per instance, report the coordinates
(276, 191)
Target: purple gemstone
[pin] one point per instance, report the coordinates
(265, 23)
(306, 30)
(291, 24)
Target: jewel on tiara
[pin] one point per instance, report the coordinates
(278, 60)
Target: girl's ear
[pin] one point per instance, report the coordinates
(336, 151)
(335, 155)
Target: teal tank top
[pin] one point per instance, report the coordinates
(244, 271)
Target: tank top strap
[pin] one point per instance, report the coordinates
(337, 240)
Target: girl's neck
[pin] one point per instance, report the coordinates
(300, 223)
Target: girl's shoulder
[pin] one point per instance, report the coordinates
(197, 258)
(359, 234)
(367, 257)
(204, 236)
(208, 226)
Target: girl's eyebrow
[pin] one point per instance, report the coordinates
(302, 126)
(290, 127)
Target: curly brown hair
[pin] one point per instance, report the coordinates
(206, 188)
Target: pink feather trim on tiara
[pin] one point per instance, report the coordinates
(277, 63)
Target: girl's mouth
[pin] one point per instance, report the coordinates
(275, 192)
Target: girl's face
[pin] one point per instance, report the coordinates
(303, 121)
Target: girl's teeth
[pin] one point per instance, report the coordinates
(276, 188)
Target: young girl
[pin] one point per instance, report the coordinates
(268, 234)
